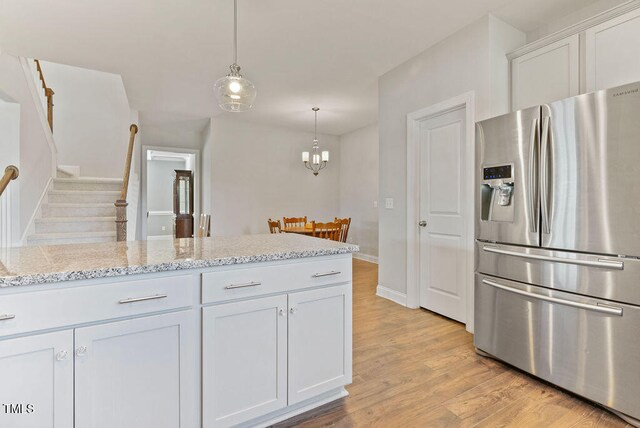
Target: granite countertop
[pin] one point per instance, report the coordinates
(57, 263)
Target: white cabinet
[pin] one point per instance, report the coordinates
(319, 341)
(244, 347)
(36, 381)
(265, 354)
(547, 74)
(136, 373)
(611, 52)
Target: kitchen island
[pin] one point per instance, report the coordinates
(227, 331)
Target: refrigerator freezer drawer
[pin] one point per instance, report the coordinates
(606, 277)
(588, 346)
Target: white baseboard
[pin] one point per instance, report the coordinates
(393, 295)
(366, 257)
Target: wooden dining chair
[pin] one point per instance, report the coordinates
(326, 230)
(274, 226)
(344, 227)
(204, 226)
(294, 221)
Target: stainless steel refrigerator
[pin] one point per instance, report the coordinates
(557, 283)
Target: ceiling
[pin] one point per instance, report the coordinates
(298, 53)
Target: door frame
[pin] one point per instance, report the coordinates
(466, 101)
(143, 182)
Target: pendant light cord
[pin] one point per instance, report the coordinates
(235, 31)
(315, 127)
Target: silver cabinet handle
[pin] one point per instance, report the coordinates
(292, 311)
(320, 275)
(6, 317)
(62, 355)
(422, 223)
(248, 284)
(282, 312)
(81, 351)
(545, 142)
(605, 309)
(142, 299)
(600, 263)
(533, 177)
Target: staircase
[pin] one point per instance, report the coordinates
(77, 210)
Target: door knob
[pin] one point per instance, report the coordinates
(422, 223)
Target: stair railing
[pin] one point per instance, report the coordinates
(48, 93)
(121, 204)
(10, 173)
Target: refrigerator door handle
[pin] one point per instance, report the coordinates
(600, 263)
(544, 184)
(605, 309)
(534, 201)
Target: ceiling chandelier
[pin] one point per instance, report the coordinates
(319, 159)
(234, 92)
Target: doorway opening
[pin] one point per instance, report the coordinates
(162, 167)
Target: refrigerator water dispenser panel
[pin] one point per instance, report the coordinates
(497, 192)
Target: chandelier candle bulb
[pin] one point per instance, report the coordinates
(305, 156)
(325, 156)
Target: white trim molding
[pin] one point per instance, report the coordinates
(366, 257)
(466, 101)
(31, 227)
(576, 28)
(393, 295)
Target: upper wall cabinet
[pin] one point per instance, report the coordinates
(611, 52)
(547, 74)
(598, 53)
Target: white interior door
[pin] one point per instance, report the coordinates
(443, 232)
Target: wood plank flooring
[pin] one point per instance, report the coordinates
(413, 368)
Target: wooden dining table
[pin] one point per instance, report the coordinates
(302, 230)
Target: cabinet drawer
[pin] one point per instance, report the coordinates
(46, 309)
(256, 281)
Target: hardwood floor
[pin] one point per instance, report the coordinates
(413, 368)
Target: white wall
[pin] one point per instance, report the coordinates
(9, 155)
(257, 173)
(359, 187)
(463, 62)
(91, 119)
(36, 155)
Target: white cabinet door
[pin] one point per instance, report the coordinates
(319, 341)
(244, 360)
(36, 381)
(612, 52)
(547, 74)
(137, 373)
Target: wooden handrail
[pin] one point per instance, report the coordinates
(48, 92)
(10, 173)
(121, 204)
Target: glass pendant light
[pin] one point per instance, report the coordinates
(234, 92)
(318, 159)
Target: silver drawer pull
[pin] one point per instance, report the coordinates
(5, 317)
(333, 272)
(601, 263)
(142, 299)
(248, 284)
(599, 307)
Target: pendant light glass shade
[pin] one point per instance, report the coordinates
(234, 92)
